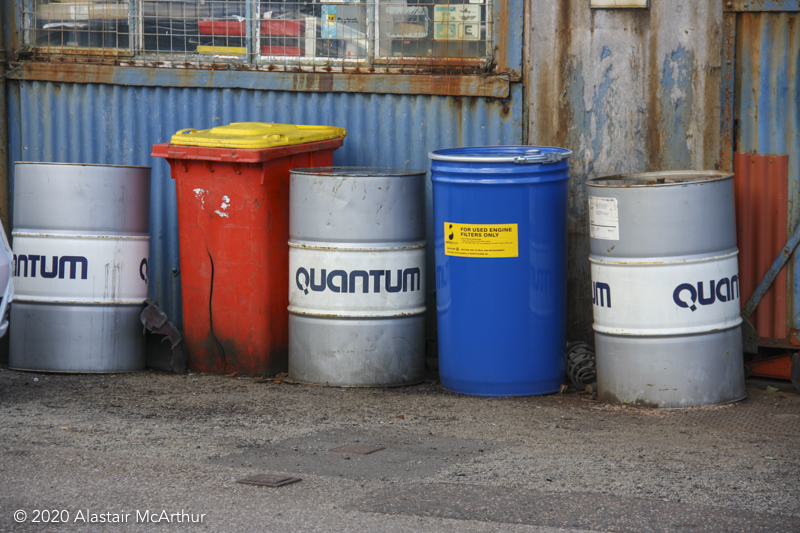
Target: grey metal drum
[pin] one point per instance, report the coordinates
(665, 289)
(357, 276)
(81, 246)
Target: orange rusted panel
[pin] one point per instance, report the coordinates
(760, 185)
(775, 367)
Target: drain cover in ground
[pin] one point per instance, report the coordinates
(266, 480)
(363, 449)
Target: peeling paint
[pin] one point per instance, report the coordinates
(626, 91)
(677, 101)
(226, 203)
(589, 128)
(200, 194)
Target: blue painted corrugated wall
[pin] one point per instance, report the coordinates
(117, 125)
(768, 108)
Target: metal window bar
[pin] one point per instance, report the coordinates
(27, 22)
(336, 35)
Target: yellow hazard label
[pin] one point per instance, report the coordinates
(481, 240)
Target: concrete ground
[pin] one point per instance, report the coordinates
(171, 448)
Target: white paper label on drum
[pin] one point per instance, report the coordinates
(603, 218)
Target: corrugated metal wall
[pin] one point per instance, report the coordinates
(117, 125)
(627, 91)
(760, 184)
(767, 109)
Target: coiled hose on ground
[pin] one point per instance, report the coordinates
(581, 365)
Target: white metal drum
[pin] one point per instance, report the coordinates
(81, 244)
(6, 280)
(357, 276)
(665, 289)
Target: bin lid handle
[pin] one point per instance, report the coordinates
(190, 130)
(276, 137)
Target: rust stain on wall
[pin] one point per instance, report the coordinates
(423, 84)
(627, 91)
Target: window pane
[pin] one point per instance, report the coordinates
(80, 24)
(194, 27)
(278, 32)
(438, 29)
(322, 30)
(271, 32)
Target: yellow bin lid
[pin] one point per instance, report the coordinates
(256, 135)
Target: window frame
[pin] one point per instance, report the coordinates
(136, 55)
(511, 21)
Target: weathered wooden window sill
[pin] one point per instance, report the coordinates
(380, 83)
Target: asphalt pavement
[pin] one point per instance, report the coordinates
(153, 451)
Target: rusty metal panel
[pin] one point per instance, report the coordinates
(115, 124)
(440, 85)
(779, 367)
(508, 15)
(727, 91)
(10, 18)
(767, 112)
(761, 205)
(761, 5)
(627, 91)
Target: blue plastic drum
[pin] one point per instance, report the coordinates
(500, 229)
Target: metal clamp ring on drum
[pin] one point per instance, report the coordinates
(532, 156)
(536, 156)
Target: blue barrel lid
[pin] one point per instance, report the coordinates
(520, 155)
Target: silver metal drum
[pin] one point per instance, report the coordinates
(665, 289)
(357, 276)
(81, 246)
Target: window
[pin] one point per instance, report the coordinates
(353, 34)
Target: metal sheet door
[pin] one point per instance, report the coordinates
(761, 116)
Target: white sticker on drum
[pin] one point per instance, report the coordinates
(603, 218)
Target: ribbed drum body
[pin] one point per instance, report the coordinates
(81, 247)
(501, 297)
(357, 276)
(665, 289)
